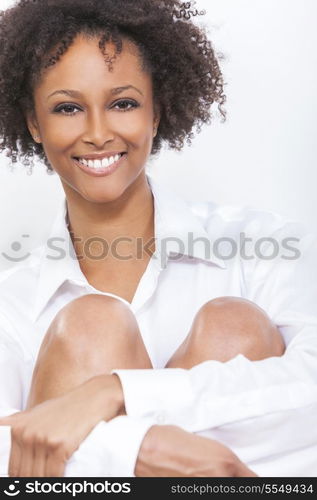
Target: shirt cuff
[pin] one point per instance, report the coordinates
(5, 448)
(111, 449)
(157, 394)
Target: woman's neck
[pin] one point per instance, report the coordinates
(116, 225)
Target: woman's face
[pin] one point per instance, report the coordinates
(105, 112)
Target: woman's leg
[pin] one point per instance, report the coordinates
(91, 335)
(95, 334)
(225, 327)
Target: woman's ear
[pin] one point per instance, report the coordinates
(32, 125)
(157, 118)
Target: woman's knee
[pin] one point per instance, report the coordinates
(227, 326)
(93, 315)
(236, 325)
(247, 322)
(90, 336)
(94, 327)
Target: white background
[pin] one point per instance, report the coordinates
(263, 156)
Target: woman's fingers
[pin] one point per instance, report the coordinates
(9, 419)
(39, 462)
(55, 464)
(27, 459)
(15, 456)
(36, 459)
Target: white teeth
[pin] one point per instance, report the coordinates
(106, 162)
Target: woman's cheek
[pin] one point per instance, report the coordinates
(130, 126)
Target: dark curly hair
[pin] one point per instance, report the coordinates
(186, 75)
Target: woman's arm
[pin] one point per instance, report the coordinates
(46, 436)
(169, 451)
(43, 438)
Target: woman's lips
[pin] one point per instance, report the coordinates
(102, 171)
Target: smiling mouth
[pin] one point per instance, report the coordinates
(100, 164)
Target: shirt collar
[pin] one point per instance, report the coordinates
(176, 228)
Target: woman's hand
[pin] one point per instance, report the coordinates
(44, 437)
(169, 451)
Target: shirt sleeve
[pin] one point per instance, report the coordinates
(11, 394)
(111, 449)
(213, 393)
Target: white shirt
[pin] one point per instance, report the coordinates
(265, 411)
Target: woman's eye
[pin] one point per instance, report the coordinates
(126, 105)
(66, 109)
(70, 109)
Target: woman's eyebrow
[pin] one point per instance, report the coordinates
(76, 93)
(118, 90)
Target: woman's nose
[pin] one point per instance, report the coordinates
(98, 129)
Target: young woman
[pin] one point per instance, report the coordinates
(154, 359)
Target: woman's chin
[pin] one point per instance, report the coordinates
(98, 195)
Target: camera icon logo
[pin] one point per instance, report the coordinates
(13, 492)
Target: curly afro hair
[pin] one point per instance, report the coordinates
(186, 76)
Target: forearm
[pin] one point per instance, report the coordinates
(108, 396)
(169, 451)
(157, 457)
